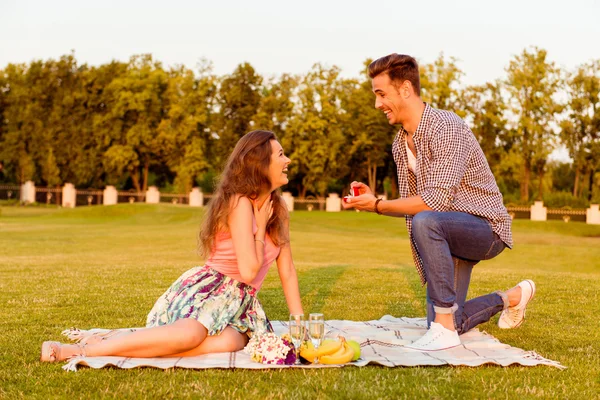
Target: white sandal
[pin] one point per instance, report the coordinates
(51, 352)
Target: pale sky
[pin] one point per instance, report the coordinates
(285, 36)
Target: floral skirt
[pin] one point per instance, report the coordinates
(213, 299)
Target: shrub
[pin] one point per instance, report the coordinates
(564, 199)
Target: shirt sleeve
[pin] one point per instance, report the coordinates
(449, 149)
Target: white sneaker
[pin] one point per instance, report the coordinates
(436, 338)
(513, 317)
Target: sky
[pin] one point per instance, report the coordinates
(285, 36)
(278, 36)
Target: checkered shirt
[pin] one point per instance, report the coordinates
(452, 174)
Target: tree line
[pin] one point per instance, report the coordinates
(137, 123)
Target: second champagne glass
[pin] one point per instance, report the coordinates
(297, 332)
(316, 330)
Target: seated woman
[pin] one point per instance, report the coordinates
(214, 308)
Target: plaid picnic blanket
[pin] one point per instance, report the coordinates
(381, 343)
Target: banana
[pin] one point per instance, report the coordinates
(308, 352)
(329, 347)
(342, 356)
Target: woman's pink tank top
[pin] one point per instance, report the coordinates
(223, 257)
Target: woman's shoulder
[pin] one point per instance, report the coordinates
(240, 205)
(286, 213)
(239, 200)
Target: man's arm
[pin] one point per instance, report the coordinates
(449, 157)
(393, 208)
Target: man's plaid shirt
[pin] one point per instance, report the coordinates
(452, 174)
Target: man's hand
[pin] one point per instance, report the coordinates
(364, 202)
(362, 188)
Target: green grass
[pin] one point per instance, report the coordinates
(105, 267)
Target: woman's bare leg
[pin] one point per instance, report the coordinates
(180, 336)
(99, 338)
(229, 340)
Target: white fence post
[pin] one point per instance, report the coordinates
(333, 203)
(539, 212)
(28, 192)
(196, 198)
(289, 200)
(152, 195)
(592, 214)
(69, 195)
(109, 196)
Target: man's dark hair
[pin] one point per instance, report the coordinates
(399, 68)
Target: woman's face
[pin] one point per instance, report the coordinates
(278, 166)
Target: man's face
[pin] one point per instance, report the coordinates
(388, 98)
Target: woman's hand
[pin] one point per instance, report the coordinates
(263, 214)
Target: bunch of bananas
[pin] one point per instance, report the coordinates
(331, 351)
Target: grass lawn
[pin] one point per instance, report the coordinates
(105, 267)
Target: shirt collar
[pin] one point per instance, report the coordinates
(423, 123)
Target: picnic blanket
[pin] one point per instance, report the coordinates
(381, 343)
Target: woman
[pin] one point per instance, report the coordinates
(214, 308)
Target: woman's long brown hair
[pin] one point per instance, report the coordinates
(246, 173)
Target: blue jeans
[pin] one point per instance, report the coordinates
(450, 244)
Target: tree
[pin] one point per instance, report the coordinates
(184, 132)
(440, 82)
(485, 111)
(27, 101)
(532, 83)
(3, 106)
(64, 156)
(366, 128)
(238, 99)
(276, 104)
(315, 136)
(136, 109)
(94, 136)
(582, 128)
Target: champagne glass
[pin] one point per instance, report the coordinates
(316, 330)
(297, 332)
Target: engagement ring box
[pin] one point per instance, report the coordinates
(353, 192)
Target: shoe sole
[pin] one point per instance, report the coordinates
(531, 294)
(423, 350)
(532, 286)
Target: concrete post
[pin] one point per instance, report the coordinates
(539, 212)
(152, 195)
(592, 214)
(28, 192)
(109, 196)
(333, 203)
(289, 200)
(69, 195)
(196, 198)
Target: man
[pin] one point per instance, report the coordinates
(453, 208)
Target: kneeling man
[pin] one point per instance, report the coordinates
(452, 205)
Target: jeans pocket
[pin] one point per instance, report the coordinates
(495, 249)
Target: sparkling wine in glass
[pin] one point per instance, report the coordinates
(316, 330)
(297, 332)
